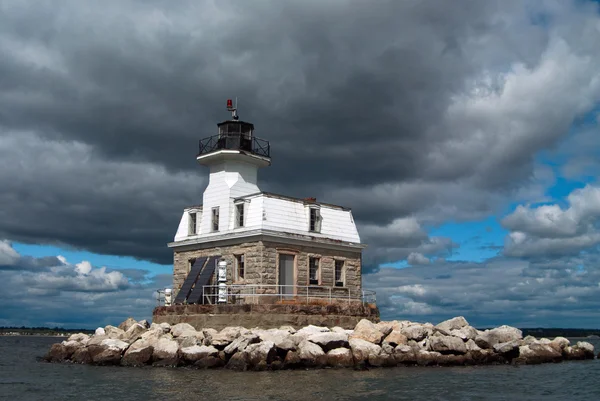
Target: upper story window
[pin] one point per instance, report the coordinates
(192, 227)
(314, 271)
(239, 215)
(340, 274)
(215, 218)
(315, 220)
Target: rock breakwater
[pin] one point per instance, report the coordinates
(385, 344)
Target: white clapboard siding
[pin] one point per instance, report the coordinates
(233, 180)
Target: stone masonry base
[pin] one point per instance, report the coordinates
(266, 316)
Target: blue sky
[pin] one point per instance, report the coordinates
(463, 137)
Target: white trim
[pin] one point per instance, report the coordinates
(263, 235)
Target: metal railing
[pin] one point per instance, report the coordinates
(235, 141)
(267, 293)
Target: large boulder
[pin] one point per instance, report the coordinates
(340, 358)
(362, 349)
(427, 358)
(100, 332)
(165, 352)
(537, 353)
(240, 343)
(226, 336)
(80, 337)
(447, 345)
(114, 332)
(238, 361)
(456, 323)
(507, 347)
(311, 329)
(182, 330)
(108, 352)
(329, 341)
(416, 332)
(502, 334)
(82, 355)
(385, 327)
(405, 355)
(368, 331)
(133, 333)
(138, 354)
(465, 333)
(260, 354)
(395, 338)
(127, 324)
(58, 353)
(559, 344)
(311, 354)
(195, 353)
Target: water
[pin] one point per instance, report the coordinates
(22, 377)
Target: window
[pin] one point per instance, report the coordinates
(192, 226)
(340, 274)
(239, 215)
(240, 266)
(215, 218)
(314, 272)
(315, 220)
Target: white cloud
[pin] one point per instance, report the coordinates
(552, 230)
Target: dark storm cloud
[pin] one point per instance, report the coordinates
(428, 109)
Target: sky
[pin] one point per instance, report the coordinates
(463, 135)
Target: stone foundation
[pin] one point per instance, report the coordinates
(345, 315)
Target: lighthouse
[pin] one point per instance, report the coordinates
(243, 246)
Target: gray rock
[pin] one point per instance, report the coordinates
(502, 334)
(537, 353)
(362, 349)
(447, 345)
(311, 329)
(415, 332)
(311, 354)
(114, 332)
(240, 343)
(58, 353)
(138, 354)
(261, 353)
(133, 333)
(197, 352)
(456, 323)
(507, 347)
(165, 352)
(127, 324)
(329, 341)
(181, 328)
(80, 337)
(395, 338)
(82, 355)
(465, 333)
(238, 361)
(340, 358)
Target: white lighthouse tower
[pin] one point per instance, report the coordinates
(234, 156)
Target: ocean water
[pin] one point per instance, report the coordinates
(23, 377)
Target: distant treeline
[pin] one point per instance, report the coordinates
(43, 331)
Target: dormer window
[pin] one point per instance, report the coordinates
(193, 223)
(239, 215)
(215, 218)
(315, 220)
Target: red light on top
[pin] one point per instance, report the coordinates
(229, 104)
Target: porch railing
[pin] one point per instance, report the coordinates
(266, 293)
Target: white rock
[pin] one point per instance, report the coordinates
(310, 329)
(311, 353)
(456, 323)
(361, 349)
(329, 341)
(114, 344)
(100, 332)
(80, 337)
(180, 328)
(368, 331)
(197, 352)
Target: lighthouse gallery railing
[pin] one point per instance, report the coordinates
(235, 141)
(253, 293)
